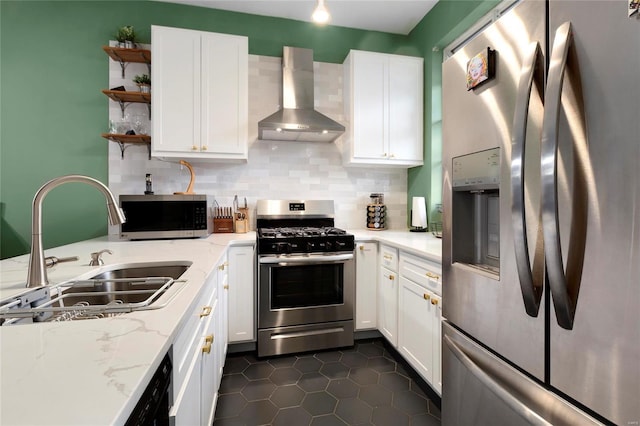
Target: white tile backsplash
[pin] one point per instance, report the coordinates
(287, 170)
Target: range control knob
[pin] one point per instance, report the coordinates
(311, 246)
(282, 247)
(340, 244)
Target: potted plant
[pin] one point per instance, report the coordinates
(126, 37)
(144, 82)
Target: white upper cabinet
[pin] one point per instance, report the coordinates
(200, 94)
(383, 99)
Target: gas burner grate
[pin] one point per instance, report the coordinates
(288, 232)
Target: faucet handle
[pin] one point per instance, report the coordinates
(96, 258)
(52, 261)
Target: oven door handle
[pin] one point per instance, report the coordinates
(331, 258)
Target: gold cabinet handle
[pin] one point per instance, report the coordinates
(391, 277)
(432, 275)
(206, 349)
(426, 296)
(226, 286)
(361, 248)
(434, 301)
(204, 148)
(386, 256)
(209, 338)
(194, 148)
(205, 311)
(392, 156)
(222, 266)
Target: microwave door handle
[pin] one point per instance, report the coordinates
(307, 260)
(531, 282)
(564, 286)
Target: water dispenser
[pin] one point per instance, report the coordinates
(475, 210)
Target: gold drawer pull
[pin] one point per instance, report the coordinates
(432, 275)
(206, 349)
(204, 148)
(205, 311)
(226, 286)
(386, 256)
(434, 301)
(361, 248)
(391, 277)
(209, 338)
(426, 296)
(194, 148)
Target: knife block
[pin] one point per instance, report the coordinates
(222, 225)
(242, 220)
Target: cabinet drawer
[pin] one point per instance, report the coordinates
(389, 258)
(423, 272)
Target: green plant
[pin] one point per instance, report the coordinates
(142, 79)
(126, 33)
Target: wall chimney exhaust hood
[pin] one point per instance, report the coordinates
(297, 120)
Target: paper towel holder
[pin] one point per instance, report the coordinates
(419, 215)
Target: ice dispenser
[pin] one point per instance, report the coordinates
(475, 210)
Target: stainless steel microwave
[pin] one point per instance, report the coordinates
(151, 217)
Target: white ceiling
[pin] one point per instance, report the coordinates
(392, 16)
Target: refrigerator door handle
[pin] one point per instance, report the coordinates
(494, 386)
(531, 282)
(564, 287)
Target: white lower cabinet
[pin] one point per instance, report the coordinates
(419, 330)
(242, 294)
(366, 285)
(419, 317)
(198, 354)
(388, 294)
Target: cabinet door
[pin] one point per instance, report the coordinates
(436, 301)
(388, 305)
(415, 324)
(369, 109)
(242, 294)
(210, 374)
(366, 285)
(176, 90)
(187, 402)
(223, 314)
(405, 108)
(225, 94)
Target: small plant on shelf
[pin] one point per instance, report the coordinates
(144, 82)
(126, 36)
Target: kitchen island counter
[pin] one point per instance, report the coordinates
(94, 371)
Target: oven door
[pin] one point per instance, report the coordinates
(305, 289)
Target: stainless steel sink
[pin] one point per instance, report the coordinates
(124, 284)
(112, 291)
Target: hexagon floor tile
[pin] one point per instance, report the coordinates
(364, 384)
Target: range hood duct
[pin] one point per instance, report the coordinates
(297, 120)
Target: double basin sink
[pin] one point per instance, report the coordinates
(114, 290)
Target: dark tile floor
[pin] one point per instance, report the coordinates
(363, 385)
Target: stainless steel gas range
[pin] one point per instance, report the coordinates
(306, 278)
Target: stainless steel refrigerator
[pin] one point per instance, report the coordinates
(541, 232)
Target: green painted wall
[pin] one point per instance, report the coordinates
(440, 27)
(52, 112)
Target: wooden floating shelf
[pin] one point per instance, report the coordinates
(122, 140)
(122, 54)
(123, 96)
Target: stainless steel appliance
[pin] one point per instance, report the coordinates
(153, 406)
(541, 232)
(306, 277)
(166, 216)
(298, 120)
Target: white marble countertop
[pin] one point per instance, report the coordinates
(419, 243)
(94, 371)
